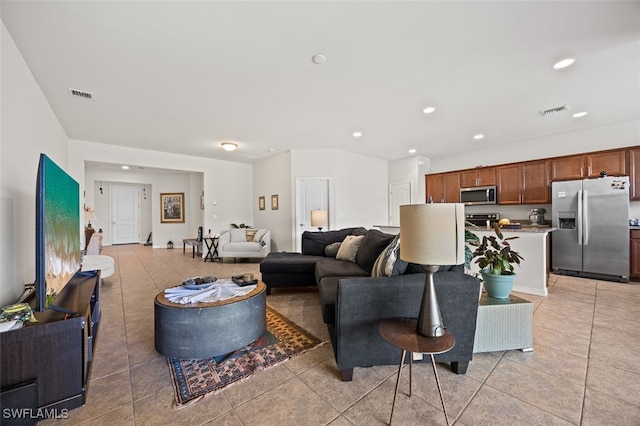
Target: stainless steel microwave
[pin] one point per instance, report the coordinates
(478, 195)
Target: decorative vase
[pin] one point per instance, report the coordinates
(498, 286)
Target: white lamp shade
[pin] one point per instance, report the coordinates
(319, 218)
(432, 234)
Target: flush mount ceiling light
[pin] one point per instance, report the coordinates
(579, 114)
(318, 59)
(563, 63)
(428, 110)
(357, 134)
(478, 137)
(229, 146)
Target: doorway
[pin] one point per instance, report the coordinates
(311, 194)
(125, 215)
(399, 194)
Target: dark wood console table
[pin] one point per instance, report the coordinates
(57, 351)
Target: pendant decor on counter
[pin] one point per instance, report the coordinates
(498, 286)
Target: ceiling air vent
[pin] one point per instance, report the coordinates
(554, 110)
(80, 94)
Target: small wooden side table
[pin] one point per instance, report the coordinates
(401, 333)
(212, 248)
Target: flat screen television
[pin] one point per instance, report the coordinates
(57, 230)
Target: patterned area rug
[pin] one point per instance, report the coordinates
(193, 379)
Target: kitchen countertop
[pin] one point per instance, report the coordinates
(634, 227)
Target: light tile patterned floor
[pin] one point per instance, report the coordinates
(584, 370)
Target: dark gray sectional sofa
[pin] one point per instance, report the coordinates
(353, 303)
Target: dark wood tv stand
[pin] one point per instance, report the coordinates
(57, 351)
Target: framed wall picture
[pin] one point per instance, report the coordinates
(261, 203)
(274, 202)
(172, 207)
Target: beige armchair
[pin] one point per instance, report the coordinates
(243, 243)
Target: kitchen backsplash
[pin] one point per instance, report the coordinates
(521, 212)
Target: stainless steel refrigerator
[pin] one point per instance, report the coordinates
(591, 218)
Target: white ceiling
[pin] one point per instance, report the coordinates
(183, 76)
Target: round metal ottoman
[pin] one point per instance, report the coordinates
(203, 330)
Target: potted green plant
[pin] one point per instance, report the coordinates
(496, 261)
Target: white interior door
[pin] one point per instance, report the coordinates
(125, 215)
(399, 194)
(311, 194)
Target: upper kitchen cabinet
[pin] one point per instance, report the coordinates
(443, 187)
(523, 183)
(568, 168)
(634, 173)
(481, 176)
(612, 162)
(588, 165)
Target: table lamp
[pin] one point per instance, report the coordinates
(319, 219)
(432, 235)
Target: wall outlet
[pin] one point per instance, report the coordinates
(417, 356)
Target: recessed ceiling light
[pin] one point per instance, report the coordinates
(318, 59)
(478, 137)
(428, 110)
(579, 114)
(357, 134)
(412, 151)
(229, 146)
(125, 167)
(272, 150)
(563, 63)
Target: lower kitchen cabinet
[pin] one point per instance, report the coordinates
(634, 255)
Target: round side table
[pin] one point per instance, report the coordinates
(401, 333)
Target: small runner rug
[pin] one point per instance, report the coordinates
(193, 379)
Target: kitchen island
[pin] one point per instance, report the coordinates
(533, 245)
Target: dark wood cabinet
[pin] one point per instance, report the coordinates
(523, 183)
(451, 187)
(634, 254)
(612, 162)
(509, 184)
(568, 168)
(536, 188)
(57, 351)
(481, 176)
(443, 187)
(589, 165)
(634, 173)
(434, 187)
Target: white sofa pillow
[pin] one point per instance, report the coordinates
(238, 235)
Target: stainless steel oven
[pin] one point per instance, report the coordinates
(482, 219)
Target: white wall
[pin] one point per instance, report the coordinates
(151, 185)
(594, 139)
(29, 127)
(227, 186)
(358, 188)
(411, 170)
(273, 176)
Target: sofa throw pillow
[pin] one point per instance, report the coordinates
(260, 234)
(238, 235)
(373, 244)
(251, 233)
(332, 249)
(349, 248)
(389, 263)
